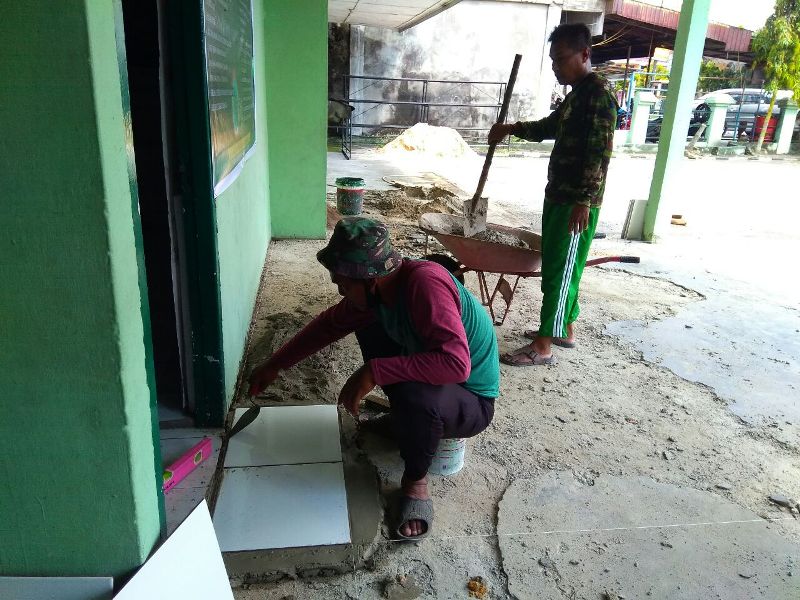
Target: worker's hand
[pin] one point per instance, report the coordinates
(498, 132)
(579, 219)
(358, 385)
(261, 377)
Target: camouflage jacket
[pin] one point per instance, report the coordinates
(583, 128)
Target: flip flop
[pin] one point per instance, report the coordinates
(531, 334)
(413, 509)
(515, 359)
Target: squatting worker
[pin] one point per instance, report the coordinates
(425, 340)
(583, 129)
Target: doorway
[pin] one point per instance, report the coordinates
(151, 115)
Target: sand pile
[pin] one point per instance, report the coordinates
(430, 140)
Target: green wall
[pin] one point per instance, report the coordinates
(243, 228)
(297, 87)
(79, 489)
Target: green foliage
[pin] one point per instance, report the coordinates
(777, 47)
(713, 77)
(642, 80)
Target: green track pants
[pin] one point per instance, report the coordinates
(563, 258)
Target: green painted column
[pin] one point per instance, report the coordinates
(80, 491)
(296, 46)
(677, 113)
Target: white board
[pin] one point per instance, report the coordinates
(188, 565)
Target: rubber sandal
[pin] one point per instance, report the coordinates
(534, 358)
(532, 334)
(414, 509)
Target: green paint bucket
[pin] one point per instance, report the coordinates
(349, 195)
(449, 457)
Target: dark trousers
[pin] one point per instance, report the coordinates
(422, 413)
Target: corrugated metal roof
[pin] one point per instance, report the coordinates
(735, 39)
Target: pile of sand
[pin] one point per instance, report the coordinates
(431, 141)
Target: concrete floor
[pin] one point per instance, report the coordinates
(740, 340)
(739, 249)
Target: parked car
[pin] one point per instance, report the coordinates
(748, 104)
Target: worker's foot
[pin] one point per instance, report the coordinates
(417, 490)
(567, 342)
(527, 356)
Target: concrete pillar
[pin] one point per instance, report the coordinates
(786, 121)
(643, 103)
(689, 43)
(716, 123)
(80, 469)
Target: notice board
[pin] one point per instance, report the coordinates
(228, 42)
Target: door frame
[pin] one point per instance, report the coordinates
(193, 173)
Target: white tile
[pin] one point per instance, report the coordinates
(282, 507)
(286, 435)
(188, 565)
(56, 588)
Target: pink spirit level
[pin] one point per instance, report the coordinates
(187, 463)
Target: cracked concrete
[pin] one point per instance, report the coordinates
(632, 537)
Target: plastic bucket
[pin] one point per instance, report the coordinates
(771, 127)
(449, 457)
(349, 195)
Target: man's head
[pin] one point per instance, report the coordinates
(358, 254)
(571, 52)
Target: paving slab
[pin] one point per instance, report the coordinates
(633, 537)
(286, 506)
(286, 435)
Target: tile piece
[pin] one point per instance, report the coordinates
(283, 506)
(188, 565)
(286, 435)
(56, 588)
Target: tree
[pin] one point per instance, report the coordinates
(777, 51)
(713, 77)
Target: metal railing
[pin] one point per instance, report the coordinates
(425, 100)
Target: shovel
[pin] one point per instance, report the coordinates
(475, 209)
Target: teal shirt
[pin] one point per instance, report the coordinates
(484, 378)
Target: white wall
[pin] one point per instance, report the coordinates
(474, 40)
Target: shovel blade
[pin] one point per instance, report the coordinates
(475, 216)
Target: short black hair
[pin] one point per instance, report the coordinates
(576, 35)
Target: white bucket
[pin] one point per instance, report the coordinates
(449, 457)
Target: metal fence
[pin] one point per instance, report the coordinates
(413, 100)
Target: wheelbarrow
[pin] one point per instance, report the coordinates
(483, 256)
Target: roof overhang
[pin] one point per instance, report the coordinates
(392, 14)
(643, 27)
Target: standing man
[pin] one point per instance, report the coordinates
(425, 340)
(583, 128)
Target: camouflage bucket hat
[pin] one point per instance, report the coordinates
(360, 248)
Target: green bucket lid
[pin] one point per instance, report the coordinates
(350, 182)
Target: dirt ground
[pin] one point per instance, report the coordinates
(601, 410)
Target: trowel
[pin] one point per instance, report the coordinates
(248, 417)
(475, 209)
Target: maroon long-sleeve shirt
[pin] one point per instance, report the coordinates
(430, 295)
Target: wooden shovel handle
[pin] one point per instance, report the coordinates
(500, 119)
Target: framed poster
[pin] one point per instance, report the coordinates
(228, 45)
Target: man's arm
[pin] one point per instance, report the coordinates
(533, 131)
(434, 305)
(329, 326)
(601, 115)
